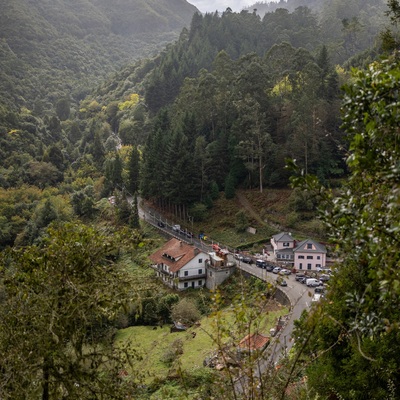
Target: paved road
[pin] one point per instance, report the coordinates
(299, 296)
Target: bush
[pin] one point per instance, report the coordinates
(173, 352)
(241, 221)
(186, 312)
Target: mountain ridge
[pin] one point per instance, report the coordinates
(49, 47)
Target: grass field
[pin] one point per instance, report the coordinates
(152, 344)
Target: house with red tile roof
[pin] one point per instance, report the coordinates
(253, 342)
(180, 265)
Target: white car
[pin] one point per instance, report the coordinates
(284, 271)
(312, 282)
(316, 297)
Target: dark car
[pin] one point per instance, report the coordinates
(270, 267)
(324, 277)
(302, 280)
(161, 224)
(298, 277)
(282, 282)
(261, 264)
(247, 260)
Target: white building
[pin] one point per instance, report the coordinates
(180, 265)
(283, 245)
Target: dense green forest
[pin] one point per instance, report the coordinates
(51, 50)
(225, 104)
(97, 102)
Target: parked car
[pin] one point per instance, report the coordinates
(270, 267)
(319, 289)
(238, 256)
(303, 280)
(276, 270)
(161, 224)
(299, 276)
(324, 278)
(281, 282)
(316, 297)
(247, 260)
(261, 264)
(325, 270)
(312, 282)
(176, 228)
(285, 271)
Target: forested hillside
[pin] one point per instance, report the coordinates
(50, 50)
(221, 107)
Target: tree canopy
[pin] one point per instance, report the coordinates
(354, 339)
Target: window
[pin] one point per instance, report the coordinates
(286, 244)
(309, 245)
(301, 266)
(308, 266)
(310, 257)
(318, 265)
(200, 271)
(186, 273)
(278, 255)
(200, 260)
(200, 282)
(185, 284)
(301, 257)
(318, 257)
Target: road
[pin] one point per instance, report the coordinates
(299, 296)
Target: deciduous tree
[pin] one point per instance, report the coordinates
(55, 296)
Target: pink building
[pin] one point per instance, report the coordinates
(305, 255)
(309, 255)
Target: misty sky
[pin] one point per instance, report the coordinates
(222, 5)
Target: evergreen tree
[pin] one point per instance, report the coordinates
(133, 171)
(230, 187)
(134, 221)
(98, 150)
(63, 109)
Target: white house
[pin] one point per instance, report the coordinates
(309, 255)
(180, 265)
(283, 245)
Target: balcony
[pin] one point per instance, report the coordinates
(192, 277)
